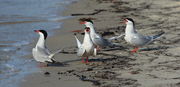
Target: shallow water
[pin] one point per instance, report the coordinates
(18, 19)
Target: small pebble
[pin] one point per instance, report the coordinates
(46, 73)
(70, 71)
(60, 73)
(134, 72)
(89, 69)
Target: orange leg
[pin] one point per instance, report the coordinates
(87, 60)
(135, 50)
(83, 60)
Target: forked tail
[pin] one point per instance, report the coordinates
(158, 35)
(52, 54)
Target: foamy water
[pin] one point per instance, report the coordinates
(18, 19)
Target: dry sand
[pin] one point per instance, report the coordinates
(156, 65)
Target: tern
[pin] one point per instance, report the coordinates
(41, 53)
(97, 39)
(86, 48)
(136, 39)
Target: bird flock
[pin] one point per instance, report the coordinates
(93, 42)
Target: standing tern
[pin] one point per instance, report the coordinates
(97, 39)
(135, 38)
(87, 48)
(41, 53)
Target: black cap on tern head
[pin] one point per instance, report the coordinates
(130, 19)
(44, 33)
(86, 19)
(89, 20)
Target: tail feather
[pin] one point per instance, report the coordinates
(115, 37)
(158, 35)
(51, 61)
(52, 55)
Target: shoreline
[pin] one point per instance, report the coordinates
(116, 67)
(65, 81)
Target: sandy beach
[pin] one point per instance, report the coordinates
(155, 65)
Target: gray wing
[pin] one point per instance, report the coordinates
(41, 55)
(47, 50)
(101, 41)
(43, 51)
(149, 39)
(140, 40)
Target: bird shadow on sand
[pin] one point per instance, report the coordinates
(112, 57)
(57, 64)
(153, 48)
(114, 48)
(102, 60)
(69, 61)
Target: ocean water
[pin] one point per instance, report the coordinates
(18, 19)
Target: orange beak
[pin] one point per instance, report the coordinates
(36, 31)
(77, 31)
(82, 22)
(123, 22)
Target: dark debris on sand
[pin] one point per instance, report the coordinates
(102, 72)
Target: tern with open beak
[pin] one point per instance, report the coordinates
(86, 48)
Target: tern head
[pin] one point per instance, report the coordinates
(129, 21)
(43, 32)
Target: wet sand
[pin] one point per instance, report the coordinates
(155, 65)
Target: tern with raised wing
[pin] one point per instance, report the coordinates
(86, 48)
(41, 53)
(136, 39)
